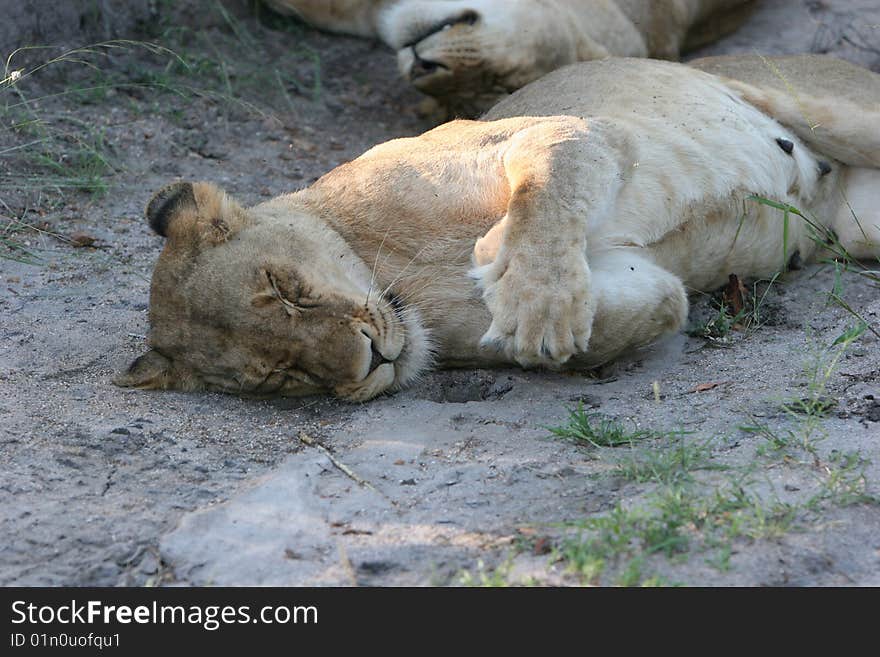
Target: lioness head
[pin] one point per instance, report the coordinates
(266, 301)
(471, 53)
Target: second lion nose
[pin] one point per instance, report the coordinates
(422, 67)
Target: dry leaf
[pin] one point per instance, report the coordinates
(80, 239)
(704, 387)
(734, 294)
(542, 546)
(357, 532)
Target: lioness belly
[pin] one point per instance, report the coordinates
(703, 199)
(739, 236)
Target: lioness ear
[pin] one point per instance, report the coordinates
(152, 371)
(168, 203)
(196, 211)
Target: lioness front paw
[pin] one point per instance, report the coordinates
(542, 312)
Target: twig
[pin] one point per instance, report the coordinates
(348, 472)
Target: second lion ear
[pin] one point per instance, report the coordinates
(199, 212)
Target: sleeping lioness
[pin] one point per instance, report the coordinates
(470, 53)
(562, 230)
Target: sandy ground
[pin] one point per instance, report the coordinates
(466, 484)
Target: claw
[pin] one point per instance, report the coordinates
(481, 275)
(493, 343)
(545, 350)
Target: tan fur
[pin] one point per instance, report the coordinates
(470, 53)
(561, 230)
(355, 17)
(828, 102)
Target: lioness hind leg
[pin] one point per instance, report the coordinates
(637, 303)
(857, 223)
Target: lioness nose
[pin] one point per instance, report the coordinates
(377, 358)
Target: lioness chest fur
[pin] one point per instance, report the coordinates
(556, 240)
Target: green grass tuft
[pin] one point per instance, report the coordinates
(667, 465)
(597, 430)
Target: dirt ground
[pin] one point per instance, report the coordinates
(752, 455)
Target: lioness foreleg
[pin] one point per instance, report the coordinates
(563, 176)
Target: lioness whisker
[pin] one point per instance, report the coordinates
(408, 311)
(409, 301)
(402, 271)
(407, 296)
(430, 281)
(375, 265)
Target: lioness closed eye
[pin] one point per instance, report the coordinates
(470, 53)
(563, 229)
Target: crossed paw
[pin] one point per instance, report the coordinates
(542, 309)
